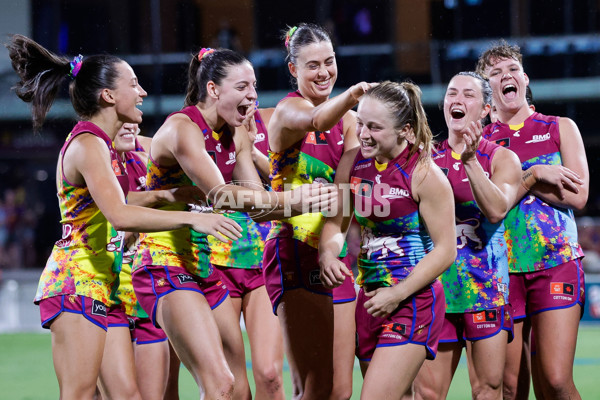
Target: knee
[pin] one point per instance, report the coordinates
(341, 393)
(558, 385)
(426, 393)
(219, 386)
(487, 391)
(269, 378)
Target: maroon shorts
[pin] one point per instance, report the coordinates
(477, 325)
(154, 281)
(554, 288)
(117, 317)
(241, 281)
(290, 264)
(144, 332)
(417, 320)
(93, 310)
(345, 293)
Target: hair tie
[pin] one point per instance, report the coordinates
(204, 52)
(289, 34)
(75, 66)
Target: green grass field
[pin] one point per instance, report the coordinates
(26, 371)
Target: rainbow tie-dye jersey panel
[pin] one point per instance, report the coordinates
(175, 247)
(125, 295)
(539, 236)
(247, 251)
(393, 235)
(478, 279)
(82, 262)
(312, 159)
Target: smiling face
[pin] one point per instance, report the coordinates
(377, 135)
(128, 94)
(463, 103)
(125, 139)
(236, 94)
(509, 84)
(315, 70)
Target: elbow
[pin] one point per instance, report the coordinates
(119, 224)
(496, 217)
(580, 203)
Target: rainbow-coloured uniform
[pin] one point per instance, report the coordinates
(539, 236)
(247, 251)
(82, 262)
(312, 159)
(125, 295)
(393, 234)
(478, 279)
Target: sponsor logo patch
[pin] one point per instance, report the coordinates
(183, 279)
(361, 187)
(485, 316)
(212, 155)
(400, 329)
(116, 168)
(561, 288)
(316, 137)
(314, 277)
(98, 308)
(503, 142)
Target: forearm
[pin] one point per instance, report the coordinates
(332, 240)
(490, 199)
(142, 219)
(549, 194)
(145, 199)
(261, 162)
(326, 115)
(426, 271)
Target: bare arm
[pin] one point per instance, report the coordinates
(565, 185)
(331, 243)
(295, 116)
(432, 191)
(494, 195)
(88, 158)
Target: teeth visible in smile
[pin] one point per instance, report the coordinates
(322, 83)
(509, 88)
(457, 113)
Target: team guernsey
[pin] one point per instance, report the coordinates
(82, 261)
(247, 251)
(393, 235)
(180, 247)
(125, 295)
(312, 159)
(539, 236)
(478, 279)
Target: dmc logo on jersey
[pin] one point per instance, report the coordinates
(561, 288)
(395, 328)
(98, 308)
(260, 137)
(317, 137)
(314, 278)
(116, 168)
(396, 193)
(485, 316)
(361, 187)
(503, 142)
(183, 279)
(539, 138)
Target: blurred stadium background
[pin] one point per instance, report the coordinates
(427, 41)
